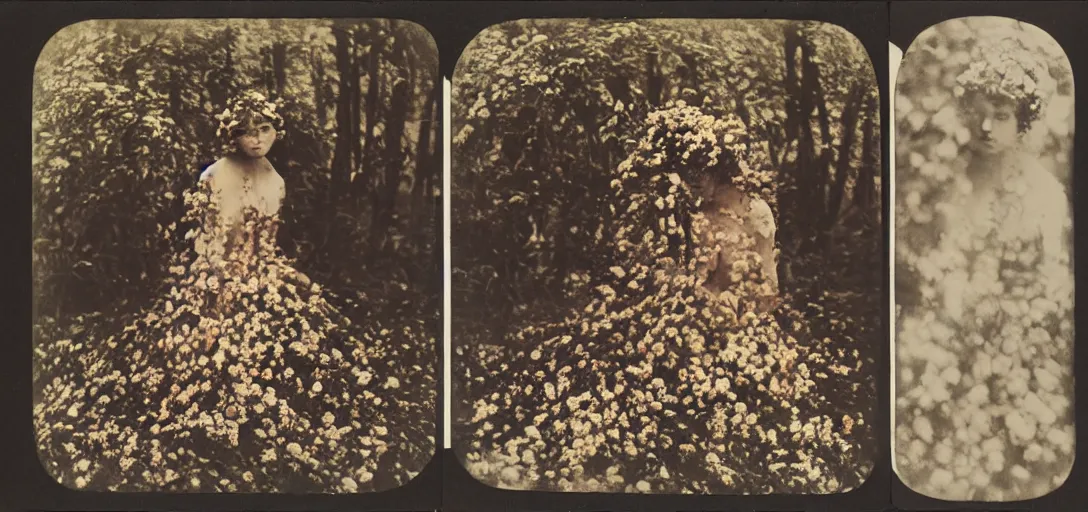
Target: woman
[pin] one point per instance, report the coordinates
(243, 377)
(674, 371)
(995, 293)
(243, 183)
(737, 223)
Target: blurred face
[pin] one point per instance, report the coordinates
(993, 125)
(703, 187)
(255, 138)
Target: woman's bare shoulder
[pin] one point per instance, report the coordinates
(213, 169)
(1043, 184)
(208, 173)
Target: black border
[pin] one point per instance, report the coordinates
(24, 483)
(1064, 21)
(868, 21)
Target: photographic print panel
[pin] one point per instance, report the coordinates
(234, 236)
(667, 257)
(984, 293)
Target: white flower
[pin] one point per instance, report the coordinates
(350, 484)
(531, 432)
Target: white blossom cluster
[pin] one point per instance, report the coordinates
(1004, 68)
(248, 102)
(655, 385)
(243, 377)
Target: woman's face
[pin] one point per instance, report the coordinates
(993, 125)
(703, 188)
(255, 139)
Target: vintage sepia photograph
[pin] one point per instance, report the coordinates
(983, 262)
(235, 274)
(667, 262)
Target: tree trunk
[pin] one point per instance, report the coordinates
(813, 87)
(654, 80)
(842, 167)
(357, 117)
(175, 100)
(806, 150)
(793, 118)
(341, 160)
(319, 89)
(691, 64)
(220, 83)
(865, 188)
(788, 233)
(817, 186)
(369, 152)
(424, 162)
(385, 215)
(279, 67)
(269, 77)
(813, 99)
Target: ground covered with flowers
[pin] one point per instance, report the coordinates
(653, 384)
(244, 376)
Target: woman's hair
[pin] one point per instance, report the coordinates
(244, 109)
(1005, 70)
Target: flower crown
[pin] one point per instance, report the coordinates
(1006, 69)
(695, 137)
(247, 103)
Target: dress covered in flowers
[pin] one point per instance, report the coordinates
(242, 377)
(663, 381)
(991, 339)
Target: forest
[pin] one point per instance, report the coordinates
(527, 99)
(545, 111)
(124, 123)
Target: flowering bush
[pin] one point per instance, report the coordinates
(243, 377)
(654, 385)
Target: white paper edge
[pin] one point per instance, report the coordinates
(447, 353)
(895, 57)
